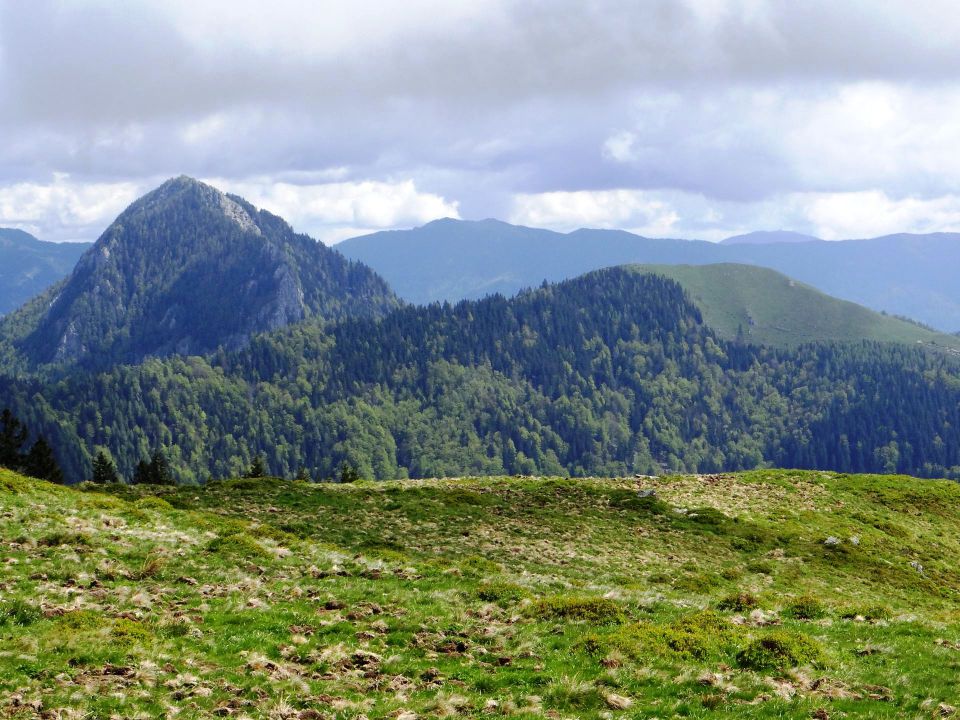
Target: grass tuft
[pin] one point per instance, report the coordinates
(19, 613)
(239, 545)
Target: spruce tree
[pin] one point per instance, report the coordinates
(13, 434)
(160, 470)
(258, 468)
(104, 471)
(141, 475)
(41, 463)
(348, 473)
(303, 475)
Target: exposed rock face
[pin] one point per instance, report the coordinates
(240, 216)
(187, 269)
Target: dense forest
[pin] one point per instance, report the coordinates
(610, 373)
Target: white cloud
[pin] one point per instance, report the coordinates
(335, 211)
(747, 143)
(625, 209)
(875, 134)
(837, 216)
(295, 29)
(830, 216)
(63, 209)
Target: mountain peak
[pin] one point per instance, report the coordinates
(187, 269)
(184, 188)
(769, 237)
(14, 237)
(439, 222)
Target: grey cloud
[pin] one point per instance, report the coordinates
(521, 98)
(69, 63)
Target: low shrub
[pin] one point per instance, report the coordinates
(81, 620)
(278, 535)
(805, 607)
(699, 582)
(760, 567)
(867, 612)
(127, 633)
(780, 650)
(739, 602)
(72, 539)
(477, 564)
(13, 484)
(500, 591)
(151, 502)
(300, 530)
(597, 610)
(697, 634)
(706, 517)
(731, 573)
(630, 500)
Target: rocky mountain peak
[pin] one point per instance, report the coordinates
(187, 269)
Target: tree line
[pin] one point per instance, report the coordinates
(612, 373)
(38, 461)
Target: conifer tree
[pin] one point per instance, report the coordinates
(156, 471)
(41, 463)
(13, 434)
(303, 475)
(258, 468)
(348, 473)
(104, 471)
(141, 475)
(160, 470)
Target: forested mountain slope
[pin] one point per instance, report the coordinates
(610, 373)
(184, 270)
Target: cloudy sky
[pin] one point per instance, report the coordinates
(680, 118)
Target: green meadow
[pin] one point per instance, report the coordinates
(767, 594)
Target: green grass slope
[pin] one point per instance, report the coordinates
(773, 309)
(770, 594)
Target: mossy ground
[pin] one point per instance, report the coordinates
(520, 597)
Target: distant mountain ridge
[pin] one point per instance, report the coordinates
(28, 266)
(184, 270)
(908, 275)
(764, 237)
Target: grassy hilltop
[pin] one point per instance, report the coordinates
(772, 309)
(770, 594)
